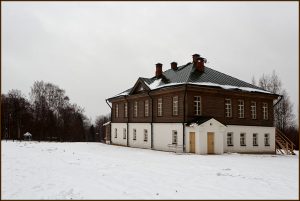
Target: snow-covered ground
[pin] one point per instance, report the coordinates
(32, 170)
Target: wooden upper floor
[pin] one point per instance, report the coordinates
(184, 103)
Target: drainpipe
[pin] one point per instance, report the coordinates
(127, 122)
(110, 119)
(183, 126)
(281, 96)
(151, 119)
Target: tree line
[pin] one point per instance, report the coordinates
(48, 115)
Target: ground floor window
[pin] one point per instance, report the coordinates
(255, 139)
(116, 132)
(174, 137)
(134, 134)
(145, 135)
(230, 139)
(243, 139)
(124, 133)
(267, 139)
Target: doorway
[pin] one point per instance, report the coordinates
(210, 143)
(192, 142)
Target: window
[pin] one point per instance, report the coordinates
(175, 105)
(145, 135)
(125, 110)
(124, 133)
(229, 139)
(146, 108)
(116, 132)
(255, 139)
(267, 139)
(243, 139)
(135, 109)
(197, 105)
(228, 112)
(159, 107)
(174, 137)
(253, 110)
(241, 108)
(265, 111)
(134, 134)
(117, 110)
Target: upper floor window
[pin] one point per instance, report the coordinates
(267, 139)
(265, 111)
(125, 110)
(159, 107)
(146, 108)
(197, 105)
(230, 139)
(253, 109)
(124, 133)
(228, 112)
(145, 135)
(241, 108)
(135, 109)
(175, 105)
(117, 110)
(255, 143)
(134, 134)
(243, 139)
(174, 137)
(116, 132)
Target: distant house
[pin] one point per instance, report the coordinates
(28, 136)
(196, 109)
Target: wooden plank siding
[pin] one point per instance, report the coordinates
(212, 104)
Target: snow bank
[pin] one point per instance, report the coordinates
(32, 170)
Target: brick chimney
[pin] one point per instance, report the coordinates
(200, 64)
(158, 71)
(195, 57)
(174, 65)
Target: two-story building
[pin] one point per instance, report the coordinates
(193, 108)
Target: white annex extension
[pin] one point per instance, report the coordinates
(210, 137)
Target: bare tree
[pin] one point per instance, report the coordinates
(283, 114)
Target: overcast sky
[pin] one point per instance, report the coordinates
(95, 50)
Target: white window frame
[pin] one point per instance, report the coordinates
(117, 111)
(241, 108)
(146, 108)
(134, 134)
(135, 109)
(145, 135)
(228, 107)
(174, 137)
(159, 107)
(116, 132)
(267, 139)
(255, 139)
(253, 109)
(175, 105)
(243, 139)
(124, 133)
(265, 111)
(230, 139)
(197, 105)
(125, 110)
